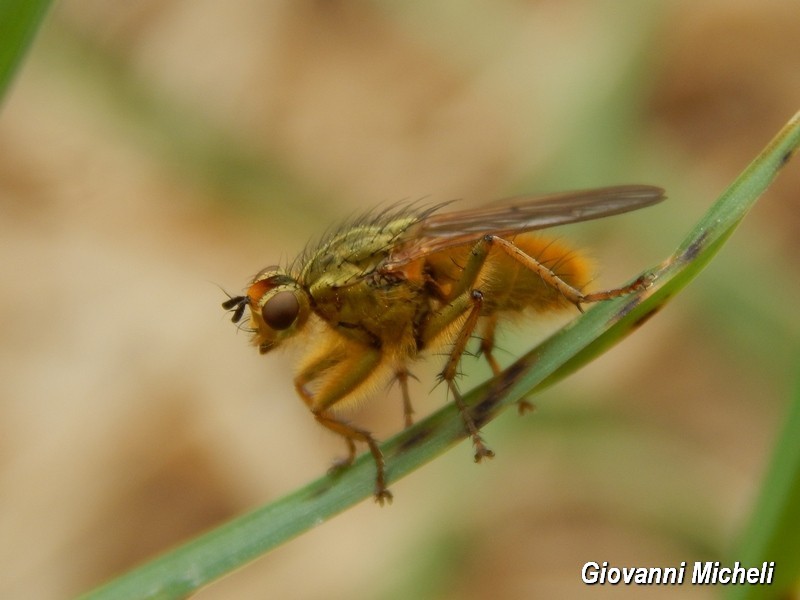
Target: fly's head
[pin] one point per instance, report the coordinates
(278, 305)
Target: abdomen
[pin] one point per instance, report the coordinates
(508, 285)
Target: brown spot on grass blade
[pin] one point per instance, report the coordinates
(627, 308)
(694, 248)
(485, 409)
(786, 158)
(414, 438)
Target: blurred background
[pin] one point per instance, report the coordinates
(154, 152)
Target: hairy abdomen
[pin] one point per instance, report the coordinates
(508, 285)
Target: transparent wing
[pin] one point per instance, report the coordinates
(437, 232)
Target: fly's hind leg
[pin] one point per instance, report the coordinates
(572, 295)
(487, 344)
(487, 348)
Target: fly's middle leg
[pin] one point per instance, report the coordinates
(451, 370)
(463, 308)
(401, 375)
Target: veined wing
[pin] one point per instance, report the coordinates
(518, 214)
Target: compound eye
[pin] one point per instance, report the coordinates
(281, 310)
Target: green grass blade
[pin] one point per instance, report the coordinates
(691, 256)
(19, 20)
(773, 534)
(229, 547)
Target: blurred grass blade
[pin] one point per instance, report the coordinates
(773, 534)
(19, 20)
(229, 547)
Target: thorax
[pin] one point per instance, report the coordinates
(348, 290)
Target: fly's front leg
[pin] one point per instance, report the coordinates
(355, 434)
(573, 295)
(338, 374)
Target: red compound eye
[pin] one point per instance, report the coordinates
(281, 310)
